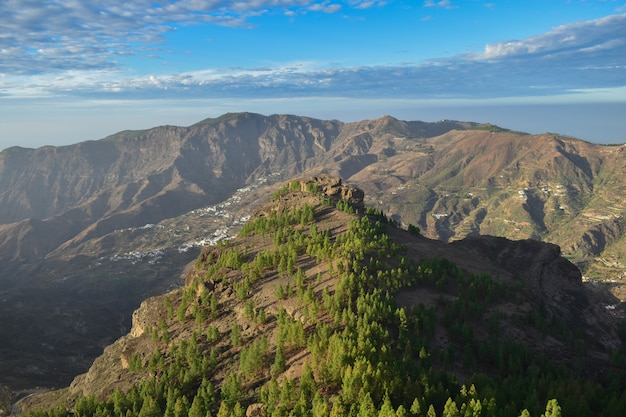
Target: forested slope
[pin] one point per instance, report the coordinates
(324, 308)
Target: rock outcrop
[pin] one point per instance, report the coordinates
(554, 284)
(333, 188)
(309, 190)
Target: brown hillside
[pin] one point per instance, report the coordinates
(93, 229)
(230, 288)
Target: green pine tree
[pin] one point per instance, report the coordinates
(552, 409)
(150, 408)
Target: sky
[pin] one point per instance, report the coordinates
(76, 70)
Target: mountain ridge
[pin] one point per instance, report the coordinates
(113, 218)
(529, 296)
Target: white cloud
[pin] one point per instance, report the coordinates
(332, 8)
(358, 4)
(325, 7)
(442, 3)
(605, 33)
(89, 34)
(583, 55)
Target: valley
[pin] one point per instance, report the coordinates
(91, 230)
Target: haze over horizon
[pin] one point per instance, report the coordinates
(75, 71)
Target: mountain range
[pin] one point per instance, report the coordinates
(88, 231)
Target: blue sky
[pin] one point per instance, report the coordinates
(74, 70)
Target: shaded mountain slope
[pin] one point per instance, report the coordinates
(134, 178)
(318, 308)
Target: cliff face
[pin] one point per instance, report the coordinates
(111, 370)
(552, 283)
